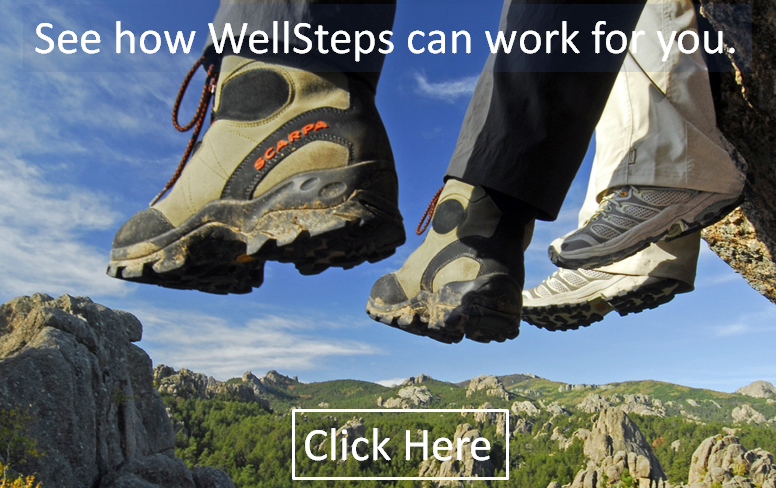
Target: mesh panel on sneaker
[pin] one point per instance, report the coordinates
(621, 221)
(642, 213)
(604, 231)
(542, 291)
(593, 274)
(665, 197)
(555, 285)
(573, 278)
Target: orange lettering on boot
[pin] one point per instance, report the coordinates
(282, 143)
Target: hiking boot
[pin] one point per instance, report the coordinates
(466, 277)
(295, 167)
(570, 299)
(629, 219)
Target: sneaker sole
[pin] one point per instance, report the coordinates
(483, 310)
(574, 316)
(603, 257)
(315, 221)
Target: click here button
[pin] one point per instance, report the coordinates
(398, 444)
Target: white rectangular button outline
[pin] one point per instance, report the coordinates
(294, 477)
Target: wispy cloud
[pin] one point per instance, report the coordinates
(449, 91)
(749, 323)
(391, 382)
(40, 224)
(62, 122)
(223, 349)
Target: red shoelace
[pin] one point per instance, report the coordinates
(425, 221)
(199, 118)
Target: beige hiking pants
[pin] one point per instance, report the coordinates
(659, 129)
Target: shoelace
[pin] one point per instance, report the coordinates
(604, 204)
(196, 122)
(425, 221)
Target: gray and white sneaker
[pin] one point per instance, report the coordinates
(631, 218)
(570, 299)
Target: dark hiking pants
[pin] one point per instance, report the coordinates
(531, 117)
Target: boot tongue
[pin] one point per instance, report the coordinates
(465, 190)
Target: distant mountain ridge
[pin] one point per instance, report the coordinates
(752, 404)
(635, 434)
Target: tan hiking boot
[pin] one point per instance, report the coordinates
(296, 167)
(464, 280)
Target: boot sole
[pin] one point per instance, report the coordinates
(602, 256)
(573, 316)
(315, 220)
(483, 310)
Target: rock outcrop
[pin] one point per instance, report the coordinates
(416, 380)
(490, 384)
(758, 389)
(493, 418)
(638, 404)
(615, 447)
(350, 431)
(184, 383)
(643, 405)
(616, 450)
(746, 110)
(275, 380)
(746, 414)
(72, 365)
(522, 426)
(188, 384)
(554, 408)
(525, 407)
(594, 403)
(466, 467)
(408, 397)
(724, 461)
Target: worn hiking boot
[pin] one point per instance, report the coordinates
(295, 167)
(629, 219)
(570, 299)
(466, 277)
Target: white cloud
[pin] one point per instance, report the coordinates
(60, 126)
(390, 383)
(216, 347)
(733, 329)
(39, 228)
(449, 91)
(749, 323)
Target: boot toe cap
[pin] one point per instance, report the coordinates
(144, 225)
(387, 290)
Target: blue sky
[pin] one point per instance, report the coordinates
(87, 142)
